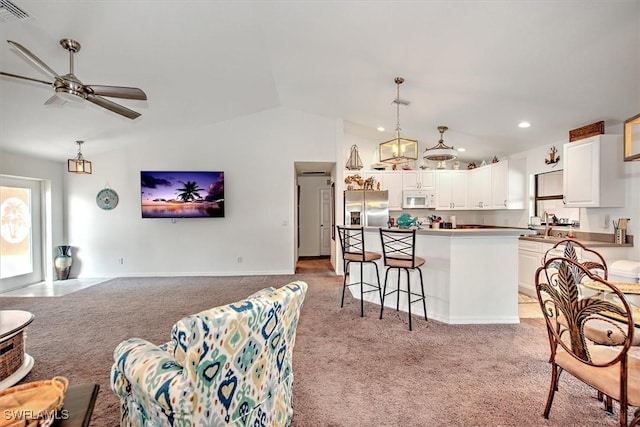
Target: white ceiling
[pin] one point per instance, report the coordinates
(479, 67)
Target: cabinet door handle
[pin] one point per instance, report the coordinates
(505, 203)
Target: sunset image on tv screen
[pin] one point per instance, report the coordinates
(182, 194)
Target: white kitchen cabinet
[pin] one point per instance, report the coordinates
(593, 172)
(508, 181)
(418, 179)
(479, 180)
(451, 189)
(529, 259)
(392, 181)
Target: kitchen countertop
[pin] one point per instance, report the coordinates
(586, 241)
(592, 240)
(483, 230)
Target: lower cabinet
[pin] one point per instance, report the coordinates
(529, 259)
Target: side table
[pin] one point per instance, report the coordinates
(15, 364)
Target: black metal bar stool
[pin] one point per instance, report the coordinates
(352, 243)
(399, 252)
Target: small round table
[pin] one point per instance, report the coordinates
(13, 323)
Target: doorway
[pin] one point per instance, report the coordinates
(314, 264)
(314, 216)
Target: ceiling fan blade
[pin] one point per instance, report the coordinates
(34, 59)
(109, 105)
(25, 78)
(118, 92)
(55, 100)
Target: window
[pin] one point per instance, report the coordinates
(548, 198)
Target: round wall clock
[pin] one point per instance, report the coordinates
(107, 199)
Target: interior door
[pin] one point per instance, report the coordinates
(20, 233)
(325, 221)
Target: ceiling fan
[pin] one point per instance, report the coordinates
(69, 88)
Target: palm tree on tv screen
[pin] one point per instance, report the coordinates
(189, 192)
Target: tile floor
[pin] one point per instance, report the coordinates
(56, 288)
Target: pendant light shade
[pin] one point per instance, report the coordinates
(78, 164)
(398, 150)
(440, 152)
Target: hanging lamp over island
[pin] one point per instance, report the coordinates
(398, 150)
(440, 152)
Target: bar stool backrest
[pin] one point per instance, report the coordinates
(352, 243)
(398, 245)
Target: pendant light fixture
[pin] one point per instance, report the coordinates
(78, 164)
(440, 152)
(398, 150)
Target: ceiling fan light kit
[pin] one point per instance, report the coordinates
(68, 87)
(79, 164)
(440, 152)
(398, 150)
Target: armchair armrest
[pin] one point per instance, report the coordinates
(154, 374)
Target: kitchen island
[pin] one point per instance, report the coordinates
(470, 275)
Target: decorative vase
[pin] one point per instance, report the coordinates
(63, 262)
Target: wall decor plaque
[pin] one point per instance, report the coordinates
(583, 132)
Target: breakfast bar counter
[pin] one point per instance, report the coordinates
(470, 275)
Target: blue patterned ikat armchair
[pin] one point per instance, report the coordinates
(227, 366)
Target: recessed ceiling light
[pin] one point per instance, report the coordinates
(462, 149)
(524, 124)
(380, 129)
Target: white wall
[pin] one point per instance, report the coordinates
(257, 154)
(52, 174)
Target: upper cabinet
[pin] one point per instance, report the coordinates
(593, 174)
(479, 188)
(499, 185)
(418, 179)
(451, 189)
(392, 181)
(508, 184)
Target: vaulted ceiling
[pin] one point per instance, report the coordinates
(479, 67)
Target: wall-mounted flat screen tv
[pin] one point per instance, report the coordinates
(182, 194)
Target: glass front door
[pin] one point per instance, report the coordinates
(20, 233)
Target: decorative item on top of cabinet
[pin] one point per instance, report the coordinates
(354, 162)
(587, 131)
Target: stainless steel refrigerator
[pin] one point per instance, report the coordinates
(367, 208)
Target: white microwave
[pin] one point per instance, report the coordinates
(418, 199)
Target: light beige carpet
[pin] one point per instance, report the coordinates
(349, 371)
